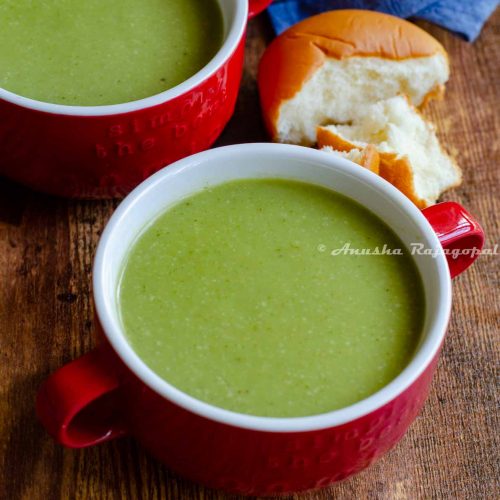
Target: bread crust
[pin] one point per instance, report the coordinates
(436, 94)
(371, 159)
(294, 57)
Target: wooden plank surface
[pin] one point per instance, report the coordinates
(46, 319)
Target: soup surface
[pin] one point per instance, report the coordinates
(97, 52)
(237, 296)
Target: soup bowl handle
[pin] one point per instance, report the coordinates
(460, 234)
(257, 6)
(77, 404)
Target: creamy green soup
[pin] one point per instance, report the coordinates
(96, 52)
(238, 297)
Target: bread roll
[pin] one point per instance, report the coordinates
(329, 67)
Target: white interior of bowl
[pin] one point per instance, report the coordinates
(216, 166)
(235, 14)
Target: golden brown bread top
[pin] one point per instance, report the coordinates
(294, 56)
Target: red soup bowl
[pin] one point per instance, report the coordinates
(110, 392)
(105, 151)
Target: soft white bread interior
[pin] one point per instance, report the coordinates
(341, 88)
(411, 157)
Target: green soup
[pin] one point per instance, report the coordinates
(237, 296)
(96, 52)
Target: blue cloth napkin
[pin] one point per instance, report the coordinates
(464, 17)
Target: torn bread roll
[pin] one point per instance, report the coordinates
(367, 157)
(411, 157)
(329, 67)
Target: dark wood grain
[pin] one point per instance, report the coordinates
(46, 319)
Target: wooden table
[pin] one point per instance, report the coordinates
(46, 319)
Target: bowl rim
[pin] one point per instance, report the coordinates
(231, 42)
(423, 358)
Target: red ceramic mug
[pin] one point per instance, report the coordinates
(105, 151)
(110, 391)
